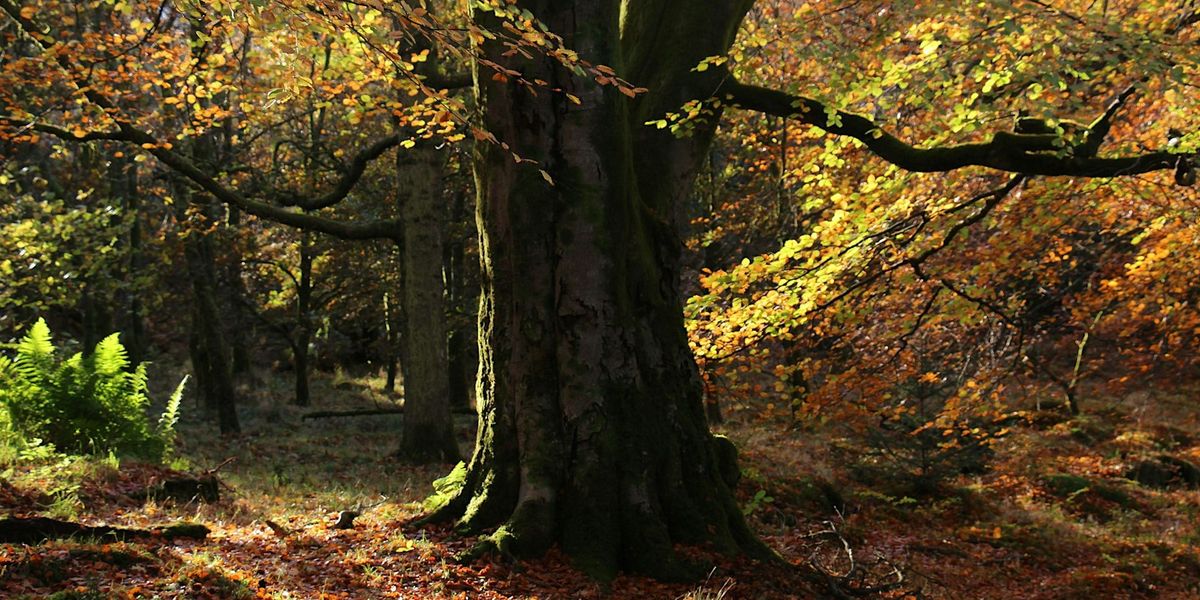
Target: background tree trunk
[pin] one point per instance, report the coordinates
(303, 335)
(238, 325)
(460, 341)
(206, 343)
(391, 351)
(211, 353)
(123, 183)
(428, 428)
(592, 428)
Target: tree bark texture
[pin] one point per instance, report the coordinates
(592, 427)
(428, 434)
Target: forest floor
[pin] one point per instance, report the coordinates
(1053, 516)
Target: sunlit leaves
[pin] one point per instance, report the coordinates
(836, 290)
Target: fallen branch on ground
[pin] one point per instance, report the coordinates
(325, 414)
(39, 529)
(205, 488)
(853, 579)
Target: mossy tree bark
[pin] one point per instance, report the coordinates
(592, 428)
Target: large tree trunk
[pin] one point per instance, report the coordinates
(592, 429)
(428, 434)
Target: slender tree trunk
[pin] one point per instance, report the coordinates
(390, 352)
(233, 293)
(303, 320)
(122, 178)
(207, 345)
(211, 346)
(458, 365)
(199, 359)
(93, 317)
(592, 428)
(428, 428)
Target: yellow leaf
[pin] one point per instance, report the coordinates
(27, 12)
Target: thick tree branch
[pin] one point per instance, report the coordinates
(451, 81)
(1098, 130)
(21, 125)
(1005, 151)
(381, 229)
(349, 179)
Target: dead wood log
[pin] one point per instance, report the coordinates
(326, 414)
(205, 488)
(38, 529)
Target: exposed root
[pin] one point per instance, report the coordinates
(499, 544)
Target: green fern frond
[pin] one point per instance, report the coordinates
(170, 416)
(35, 353)
(37, 343)
(110, 356)
(138, 380)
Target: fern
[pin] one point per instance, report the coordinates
(37, 343)
(110, 357)
(35, 353)
(170, 416)
(93, 404)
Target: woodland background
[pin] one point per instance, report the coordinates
(947, 385)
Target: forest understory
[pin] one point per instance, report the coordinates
(1054, 516)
